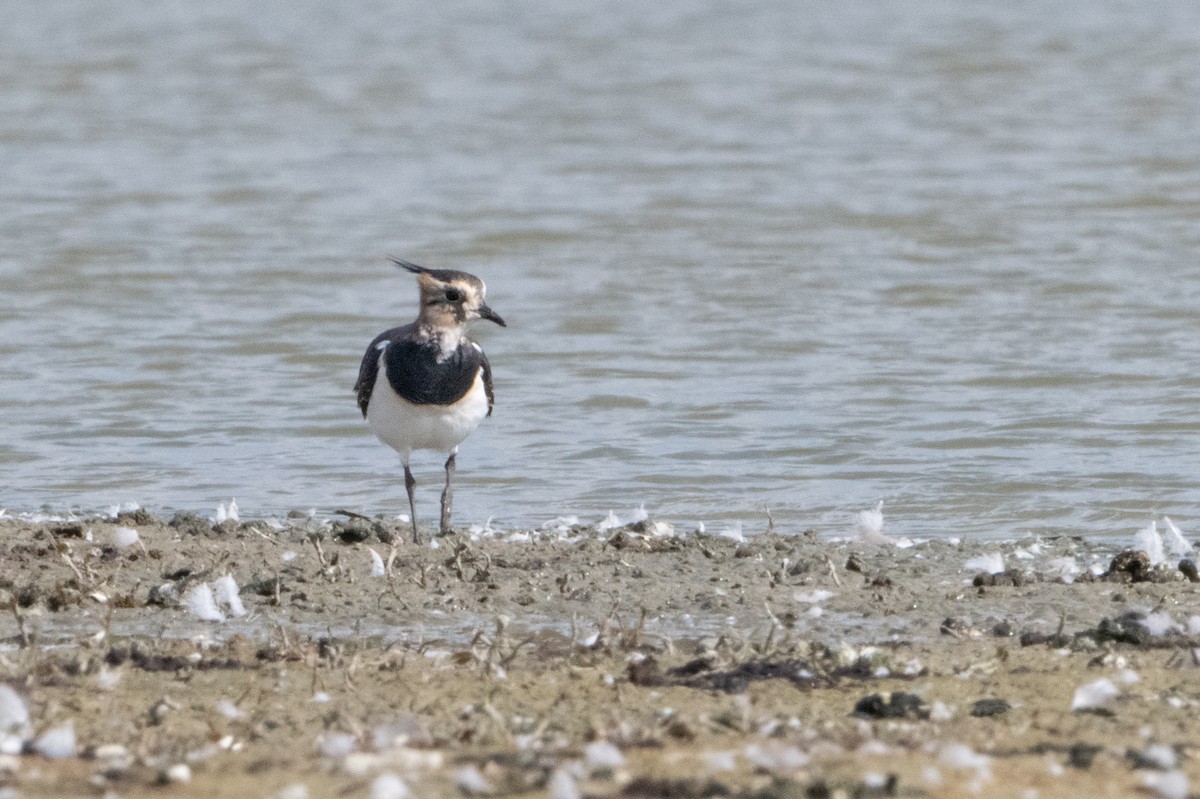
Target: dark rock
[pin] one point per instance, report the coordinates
(1126, 629)
(860, 669)
(694, 666)
(674, 788)
(619, 540)
(1081, 755)
(354, 531)
(955, 627)
(264, 586)
(1057, 640)
(27, 596)
(737, 679)
(645, 672)
(1130, 565)
(990, 707)
(1188, 567)
(139, 516)
(1009, 578)
(819, 789)
(799, 567)
(190, 523)
(899, 706)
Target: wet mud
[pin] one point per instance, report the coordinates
(628, 662)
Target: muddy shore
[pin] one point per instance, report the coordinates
(634, 662)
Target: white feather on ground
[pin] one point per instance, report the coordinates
(776, 756)
(58, 742)
(734, 532)
(563, 786)
(1161, 623)
(228, 709)
(1167, 784)
(336, 744)
(812, 597)
(201, 603)
(603, 755)
(1160, 755)
(108, 679)
(964, 757)
(389, 786)
(1149, 541)
(15, 728)
(561, 524)
(377, 567)
(228, 595)
(1176, 545)
(124, 537)
(1094, 695)
(991, 562)
(868, 525)
(470, 780)
(14, 714)
(1065, 568)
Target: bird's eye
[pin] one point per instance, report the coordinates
(453, 295)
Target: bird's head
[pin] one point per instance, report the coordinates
(449, 298)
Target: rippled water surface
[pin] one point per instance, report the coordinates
(768, 256)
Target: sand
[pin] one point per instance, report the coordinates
(635, 661)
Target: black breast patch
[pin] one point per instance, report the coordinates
(415, 373)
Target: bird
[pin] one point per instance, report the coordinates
(425, 385)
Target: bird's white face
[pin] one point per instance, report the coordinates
(450, 303)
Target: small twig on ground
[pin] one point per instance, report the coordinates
(351, 514)
(78, 574)
(20, 617)
(833, 572)
(316, 542)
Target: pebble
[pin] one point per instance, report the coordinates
(389, 786)
(57, 743)
(179, 773)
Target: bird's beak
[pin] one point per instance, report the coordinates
(487, 313)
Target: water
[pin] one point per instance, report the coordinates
(939, 254)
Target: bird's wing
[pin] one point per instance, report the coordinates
(368, 370)
(487, 378)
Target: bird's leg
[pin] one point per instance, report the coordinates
(447, 495)
(409, 483)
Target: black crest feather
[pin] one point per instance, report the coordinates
(400, 262)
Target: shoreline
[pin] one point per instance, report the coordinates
(780, 665)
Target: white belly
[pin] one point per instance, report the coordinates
(405, 427)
